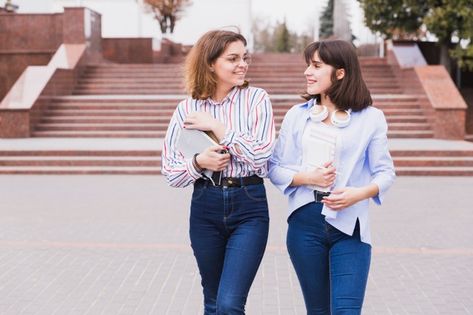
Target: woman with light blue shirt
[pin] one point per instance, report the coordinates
(330, 158)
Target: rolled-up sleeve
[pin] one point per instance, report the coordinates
(380, 162)
(283, 163)
(254, 147)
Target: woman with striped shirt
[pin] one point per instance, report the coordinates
(229, 212)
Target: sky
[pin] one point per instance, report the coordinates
(301, 16)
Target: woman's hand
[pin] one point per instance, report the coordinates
(212, 158)
(201, 121)
(321, 176)
(205, 122)
(347, 196)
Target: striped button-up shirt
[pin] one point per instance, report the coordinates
(248, 117)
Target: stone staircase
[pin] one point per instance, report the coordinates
(92, 162)
(430, 162)
(136, 101)
(90, 112)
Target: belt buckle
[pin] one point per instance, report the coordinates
(229, 182)
(319, 195)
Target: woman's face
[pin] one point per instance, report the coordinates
(231, 66)
(318, 76)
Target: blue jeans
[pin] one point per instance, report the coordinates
(332, 267)
(228, 232)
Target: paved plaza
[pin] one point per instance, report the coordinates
(119, 245)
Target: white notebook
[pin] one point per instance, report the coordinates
(192, 141)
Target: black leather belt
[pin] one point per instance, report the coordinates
(232, 181)
(319, 195)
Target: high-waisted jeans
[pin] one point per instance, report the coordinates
(332, 267)
(228, 231)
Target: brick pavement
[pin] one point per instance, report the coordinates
(119, 245)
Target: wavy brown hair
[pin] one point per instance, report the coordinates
(200, 82)
(350, 91)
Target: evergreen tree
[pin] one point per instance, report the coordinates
(282, 38)
(326, 21)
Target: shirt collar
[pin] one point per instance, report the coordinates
(229, 98)
(309, 104)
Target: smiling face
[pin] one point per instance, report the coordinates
(231, 66)
(318, 75)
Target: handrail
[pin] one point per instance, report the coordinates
(33, 80)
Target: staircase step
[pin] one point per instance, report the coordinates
(101, 113)
(98, 106)
(434, 171)
(121, 111)
(391, 118)
(431, 153)
(155, 121)
(89, 170)
(100, 127)
(155, 154)
(409, 126)
(99, 134)
(410, 134)
(423, 161)
(154, 91)
(33, 161)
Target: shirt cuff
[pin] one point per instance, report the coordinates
(228, 138)
(378, 199)
(192, 170)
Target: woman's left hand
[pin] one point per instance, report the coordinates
(201, 121)
(343, 197)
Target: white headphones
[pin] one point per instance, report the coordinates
(320, 112)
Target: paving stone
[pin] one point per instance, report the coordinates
(119, 245)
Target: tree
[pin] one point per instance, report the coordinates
(451, 21)
(395, 19)
(263, 35)
(167, 12)
(282, 38)
(326, 21)
(278, 38)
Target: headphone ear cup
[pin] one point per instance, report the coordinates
(340, 123)
(318, 113)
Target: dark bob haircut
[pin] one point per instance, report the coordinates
(350, 92)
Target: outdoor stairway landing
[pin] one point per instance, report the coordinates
(60, 156)
(117, 116)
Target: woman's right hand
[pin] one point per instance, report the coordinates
(322, 176)
(212, 158)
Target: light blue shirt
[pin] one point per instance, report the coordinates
(363, 159)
